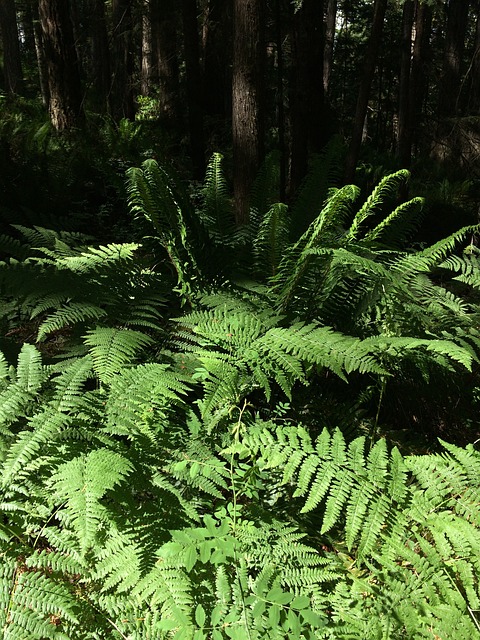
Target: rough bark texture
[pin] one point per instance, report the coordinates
(330, 24)
(65, 93)
(308, 121)
(41, 60)
(191, 47)
(247, 101)
(371, 54)
(122, 61)
(11, 47)
(457, 17)
(420, 63)
(404, 138)
(473, 101)
(165, 59)
(100, 56)
(217, 58)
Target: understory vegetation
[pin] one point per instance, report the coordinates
(265, 431)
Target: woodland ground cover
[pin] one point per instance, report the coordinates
(219, 432)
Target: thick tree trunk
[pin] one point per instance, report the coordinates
(308, 121)
(217, 58)
(330, 25)
(121, 86)
(247, 100)
(147, 69)
(65, 93)
(371, 55)
(100, 56)
(473, 98)
(404, 136)
(191, 47)
(12, 65)
(165, 59)
(419, 70)
(41, 60)
(450, 81)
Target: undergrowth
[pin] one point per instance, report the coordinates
(193, 440)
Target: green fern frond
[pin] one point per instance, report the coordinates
(386, 188)
(398, 227)
(217, 211)
(271, 240)
(112, 349)
(72, 314)
(80, 484)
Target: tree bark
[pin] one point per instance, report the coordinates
(217, 58)
(371, 55)
(419, 70)
(308, 121)
(12, 65)
(330, 24)
(41, 59)
(65, 93)
(165, 59)
(473, 98)
(450, 81)
(100, 56)
(122, 83)
(247, 101)
(404, 137)
(191, 47)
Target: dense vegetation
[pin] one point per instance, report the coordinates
(239, 393)
(196, 437)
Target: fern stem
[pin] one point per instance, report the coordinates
(373, 432)
(236, 435)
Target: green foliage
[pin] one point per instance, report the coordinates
(170, 479)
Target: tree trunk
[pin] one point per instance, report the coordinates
(12, 65)
(165, 59)
(371, 55)
(450, 81)
(146, 73)
(194, 86)
(282, 146)
(308, 121)
(122, 84)
(419, 70)
(100, 56)
(330, 24)
(65, 93)
(404, 137)
(473, 98)
(41, 59)
(247, 100)
(217, 58)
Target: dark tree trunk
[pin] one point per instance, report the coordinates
(147, 69)
(330, 24)
(371, 55)
(473, 98)
(404, 137)
(100, 56)
(282, 146)
(65, 93)
(191, 46)
(217, 58)
(308, 121)
(165, 77)
(450, 81)
(40, 53)
(247, 100)
(122, 83)
(12, 65)
(419, 70)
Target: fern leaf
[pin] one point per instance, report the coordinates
(81, 483)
